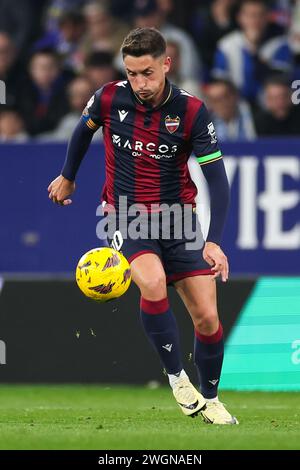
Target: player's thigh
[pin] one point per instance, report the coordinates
(148, 274)
(200, 298)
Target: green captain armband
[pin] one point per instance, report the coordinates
(209, 158)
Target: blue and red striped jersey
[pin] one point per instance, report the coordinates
(147, 148)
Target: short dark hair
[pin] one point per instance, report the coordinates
(263, 3)
(50, 52)
(100, 59)
(8, 108)
(71, 16)
(226, 82)
(280, 79)
(144, 41)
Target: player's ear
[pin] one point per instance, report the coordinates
(167, 64)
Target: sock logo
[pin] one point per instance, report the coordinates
(168, 347)
(214, 381)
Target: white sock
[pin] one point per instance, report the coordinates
(173, 378)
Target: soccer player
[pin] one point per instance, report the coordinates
(150, 128)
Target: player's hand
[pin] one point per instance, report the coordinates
(60, 191)
(215, 257)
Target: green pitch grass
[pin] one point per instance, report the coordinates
(94, 417)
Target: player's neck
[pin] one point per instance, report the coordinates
(161, 96)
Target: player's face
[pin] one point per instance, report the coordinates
(147, 75)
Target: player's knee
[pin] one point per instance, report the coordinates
(154, 289)
(207, 323)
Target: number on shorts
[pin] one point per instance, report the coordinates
(117, 241)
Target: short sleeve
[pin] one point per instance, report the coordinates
(92, 112)
(204, 138)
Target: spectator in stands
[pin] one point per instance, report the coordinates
(232, 117)
(294, 40)
(66, 40)
(71, 34)
(212, 25)
(21, 21)
(121, 9)
(277, 55)
(282, 54)
(104, 33)
(56, 9)
(238, 53)
(281, 12)
(42, 99)
(79, 93)
(188, 84)
(10, 70)
(279, 115)
(178, 13)
(12, 127)
(99, 69)
(147, 14)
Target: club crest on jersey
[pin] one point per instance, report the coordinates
(172, 123)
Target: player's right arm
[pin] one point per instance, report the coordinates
(61, 188)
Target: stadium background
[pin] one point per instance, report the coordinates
(49, 332)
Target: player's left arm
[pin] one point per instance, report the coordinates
(218, 186)
(209, 157)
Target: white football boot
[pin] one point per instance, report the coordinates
(216, 413)
(189, 400)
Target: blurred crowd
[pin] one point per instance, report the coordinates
(241, 57)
